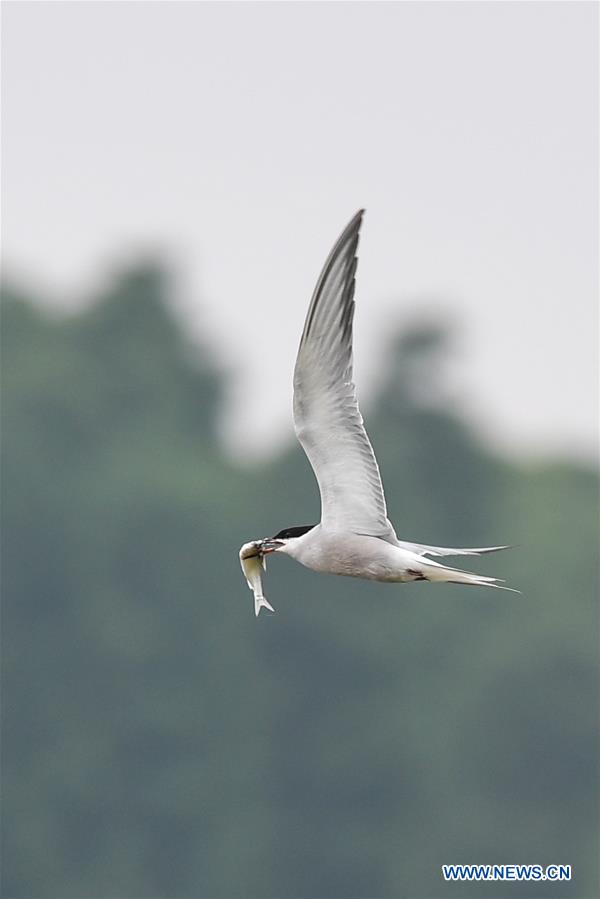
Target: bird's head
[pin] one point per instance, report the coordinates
(284, 540)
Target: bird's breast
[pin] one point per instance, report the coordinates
(353, 555)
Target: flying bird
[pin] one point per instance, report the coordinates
(355, 536)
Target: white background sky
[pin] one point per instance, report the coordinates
(238, 139)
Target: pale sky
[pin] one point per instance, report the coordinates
(238, 138)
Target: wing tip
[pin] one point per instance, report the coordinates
(345, 247)
(351, 230)
(358, 217)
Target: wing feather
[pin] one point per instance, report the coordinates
(327, 419)
(422, 549)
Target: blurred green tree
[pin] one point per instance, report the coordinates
(160, 742)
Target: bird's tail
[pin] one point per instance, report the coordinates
(261, 603)
(433, 571)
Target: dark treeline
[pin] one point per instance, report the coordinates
(159, 742)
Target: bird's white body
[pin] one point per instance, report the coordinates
(353, 555)
(373, 559)
(355, 537)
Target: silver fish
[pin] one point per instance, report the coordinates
(253, 564)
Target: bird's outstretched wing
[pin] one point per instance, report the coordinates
(421, 549)
(327, 419)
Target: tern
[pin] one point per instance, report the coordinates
(355, 537)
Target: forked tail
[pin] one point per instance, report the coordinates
(433, 571)
(261, 603)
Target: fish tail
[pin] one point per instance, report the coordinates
(261, 603)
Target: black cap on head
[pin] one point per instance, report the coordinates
(294, 532)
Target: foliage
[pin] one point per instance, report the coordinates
(161, 742)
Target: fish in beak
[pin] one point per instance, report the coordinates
(252, 560)
(270, 545)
